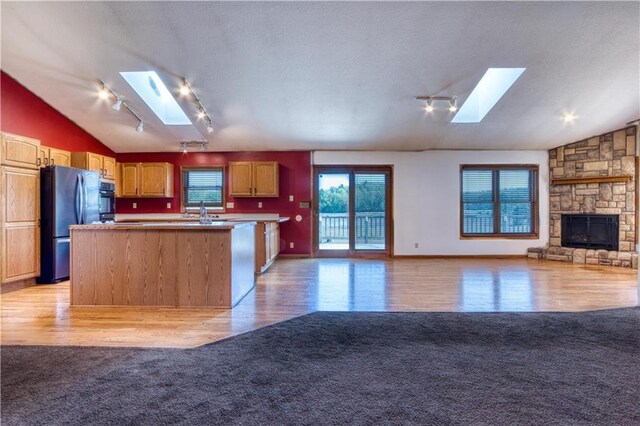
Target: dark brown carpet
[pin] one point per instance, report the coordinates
(348, 368)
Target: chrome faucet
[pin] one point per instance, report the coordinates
(204, 219)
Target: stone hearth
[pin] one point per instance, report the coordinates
(588, 163)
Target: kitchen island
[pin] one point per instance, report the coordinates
(162, 264)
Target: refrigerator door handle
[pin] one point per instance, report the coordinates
(86, 200)
(78, 199)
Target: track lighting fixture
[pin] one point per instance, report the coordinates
(105, 92)
(430, 107)
(185, 145)
(116, 106)
(202, 114)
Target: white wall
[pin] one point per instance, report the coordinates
(426, 190)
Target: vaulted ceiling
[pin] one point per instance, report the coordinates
(327, 75)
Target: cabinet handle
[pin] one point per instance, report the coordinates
(46, 161)
(53, 161)
(136, 191)
(38, 162)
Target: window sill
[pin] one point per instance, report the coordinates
(499, 237)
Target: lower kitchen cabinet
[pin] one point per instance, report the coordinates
(19, 224)
(267, 244)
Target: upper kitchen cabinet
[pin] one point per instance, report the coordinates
(253, 179)
(19, 151)
(102, 164)
(54, 157)
(146, 180)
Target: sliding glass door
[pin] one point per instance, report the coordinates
(352, 211)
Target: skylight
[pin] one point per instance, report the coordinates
(152, 90)
(491, 87)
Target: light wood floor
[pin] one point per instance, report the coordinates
(41, 315)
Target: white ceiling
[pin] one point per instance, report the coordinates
(307, 75)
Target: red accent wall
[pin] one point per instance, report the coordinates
(295, 179)
(25, 114)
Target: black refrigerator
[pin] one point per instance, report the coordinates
(68, 196)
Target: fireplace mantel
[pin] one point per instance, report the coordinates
(599, 179)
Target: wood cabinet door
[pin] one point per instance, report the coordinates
(59, 157)
(109, 166)
(154, 180)
(240, 181)
(129, 180)
(265, 179)
(94, 162)
(20, 220)
(275, 241)
(19, 151)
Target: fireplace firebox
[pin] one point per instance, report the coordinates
(590, 231)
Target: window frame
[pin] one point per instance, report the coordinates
(535, 202)
(184, 169)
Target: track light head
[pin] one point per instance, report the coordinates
(103, 93)
(453, 105)
(201, 114)
(140, 127)
(184, 88)
(116, 106)
(429, 106)
(210, 128)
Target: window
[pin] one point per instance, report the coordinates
(499, 201)
(202, 184)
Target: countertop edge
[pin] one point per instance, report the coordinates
(147, 226)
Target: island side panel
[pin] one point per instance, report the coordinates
(82, 274)
(123, 267)
(204, 268)
(150, 267)
(243, 262)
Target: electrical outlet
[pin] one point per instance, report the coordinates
(416, 245)
(290, 197)
(230, 205)
(260, 204)
(291, 244)
(168, 205)
(135, 205)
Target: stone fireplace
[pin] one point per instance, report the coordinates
(592, 189)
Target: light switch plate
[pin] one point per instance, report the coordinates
(290, 197)
(230, 205)
(168, 205)
(135, 205)
(259, 204)
(291, 244)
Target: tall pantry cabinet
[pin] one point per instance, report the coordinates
(20, 208)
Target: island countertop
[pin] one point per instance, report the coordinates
(213, 226)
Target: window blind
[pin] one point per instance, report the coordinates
(203, 185)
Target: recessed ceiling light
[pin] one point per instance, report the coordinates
(491, 87)
(155, 94)
(569, 117)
